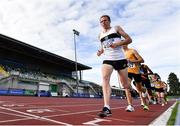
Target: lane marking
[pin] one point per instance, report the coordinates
(13, 105)
(13, 120)
(20, 106)
(39, 110)
(13, 114)
(121, 120)
(59, 106)
(53, 106)
(97, 120)
(35, 116)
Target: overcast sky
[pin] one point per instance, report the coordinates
(154, 26)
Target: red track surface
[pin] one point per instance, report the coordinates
(18, 110)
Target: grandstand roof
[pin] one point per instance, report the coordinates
(10, 45)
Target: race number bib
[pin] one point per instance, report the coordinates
(131, 65)
(152, 85)
(108, 43)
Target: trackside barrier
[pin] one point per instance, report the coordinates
(85, 95)
(44, 93)
(16, 91)
(3, 91)
(81, 95)
(54, 94)
(26, 92)
(30, 92)
(11, 91)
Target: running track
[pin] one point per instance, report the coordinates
(22, 110)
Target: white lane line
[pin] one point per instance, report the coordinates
(14, 114)
(14, 120)
(95, 121)
(59, 106)
(121, 120)
(35, 117)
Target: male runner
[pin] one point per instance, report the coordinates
(113, 58)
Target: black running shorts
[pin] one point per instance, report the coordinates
(159, 90)
(147, 83)
(137, 77)
(117, 64)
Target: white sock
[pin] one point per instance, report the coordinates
(107, 106)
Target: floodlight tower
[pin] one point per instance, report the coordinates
(76, 33)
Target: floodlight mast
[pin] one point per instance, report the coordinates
(76, 33)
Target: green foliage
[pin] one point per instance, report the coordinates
(174, 84)
(172, 118)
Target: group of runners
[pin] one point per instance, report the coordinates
(130, 68)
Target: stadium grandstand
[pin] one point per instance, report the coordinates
(28, 70)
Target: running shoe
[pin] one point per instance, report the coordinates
(146, 107)
(151, 102)
(129, 108)
(142, 104)
(154, 102)
(105, 112)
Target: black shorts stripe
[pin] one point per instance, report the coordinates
(113, 35)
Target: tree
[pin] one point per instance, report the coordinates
(174, 84)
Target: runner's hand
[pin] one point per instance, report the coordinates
(99, 53)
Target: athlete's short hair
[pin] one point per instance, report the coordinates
(107, 17)
(157, 75)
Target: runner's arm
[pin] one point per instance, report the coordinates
(127, 39)
(138, 59)
(149, 70)
(101, 50)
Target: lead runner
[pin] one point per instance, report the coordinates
(114, 58)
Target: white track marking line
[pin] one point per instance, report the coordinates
(59, 106)
(40, 107)
(34, 116)
(14, 120)
(14, 114)
(95, 121)
(121, 120)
